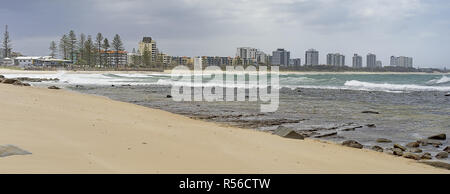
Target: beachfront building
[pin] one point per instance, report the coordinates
(115, 59)
(297, 62)
(216, 61)
(371, 60)
(336, 59)
(39, 61)
(186, 61)
(406, 62)
(149, 45)
(250, 55)
(311, 57)
(281, 57)
(357, 61)
(379, 64)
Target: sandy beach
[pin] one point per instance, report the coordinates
(68, 132)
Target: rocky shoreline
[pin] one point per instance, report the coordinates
(411, 150)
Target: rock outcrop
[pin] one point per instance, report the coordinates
(352, 144)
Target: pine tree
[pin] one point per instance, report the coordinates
(53, 49)
(63, 47)
(117, 46)
(6, 43)
(98, 41)
(105, 47)
(81, 50)
(72, 44)
(89, 51)
(147, 57)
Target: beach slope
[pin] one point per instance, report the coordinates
(67, 132)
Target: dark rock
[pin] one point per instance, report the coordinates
(326, 135)
(371, 125)
(397, 152)
(9, 81)
(169, 96)
(447, 94)
(415, 150)
(370, 112)
(288, 133)
(1, 76)
(438, 164)
(426, 156)
(442, 155)
(53, 88)
(411, 156)
(10, 150)
(400, 147)
(413, 145)
(425, 142)
(353, 144)
(447, 149)
(438, 137)
(377, 148)
(79, 86)
(383, 140)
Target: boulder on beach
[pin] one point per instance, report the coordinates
(169, 96)
(383, 140)
(411, 156)
(371, 125)
(415, 150)
(10, 150)
(400, 147)
(377, 148)
(288, 133)
(425, 142)
(438, 137)
(9, 81)
(413, 145)
(447, 149)
(352, 144)
(442, 155)
(397, 152)
(53, 88)
(2, 76)
(426, 156)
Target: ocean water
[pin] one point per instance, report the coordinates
(411, 106)
(368, 82)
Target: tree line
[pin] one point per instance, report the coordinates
(85, 51)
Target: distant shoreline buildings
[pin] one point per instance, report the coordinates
(86, 52)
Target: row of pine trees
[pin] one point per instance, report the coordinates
(85, 50)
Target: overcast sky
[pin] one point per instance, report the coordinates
(417, 28)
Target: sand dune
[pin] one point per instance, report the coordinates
(67, 132)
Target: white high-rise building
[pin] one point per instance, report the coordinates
(406, 62)
(311, 57)
(357, 61)
(336, 59)
(371, 60)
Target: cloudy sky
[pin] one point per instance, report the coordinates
(418, 28)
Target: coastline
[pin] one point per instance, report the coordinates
(69, 132)
(168, 72)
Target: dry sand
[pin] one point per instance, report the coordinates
(67, 132)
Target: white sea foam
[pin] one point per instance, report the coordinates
(442, 80)
(393, 87)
